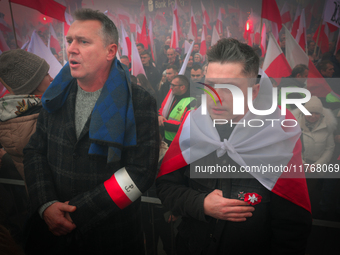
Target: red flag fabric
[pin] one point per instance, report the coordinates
(219, 24)
(3, 44)
(174, 34)
(271, 12)
(126, 43)
(301, 36)
(285, 13)
(337, 46)
(296, 22)
(323, 41)
(4, 27)
(144, 36)
(46, 7)
(54, 43)
(263, 40)
(193, 27)
(205, 14)
(296, 55)
(274, 59)
(136, 63)
(203, 47)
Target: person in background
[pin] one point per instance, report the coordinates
(26, 77)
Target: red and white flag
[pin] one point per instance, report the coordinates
(301, 36)
(136, 62)
(323, 41)
(193, 27)
(285, 13)
(203, 47)
(144, 36)
(150, 39)
(197, 138)
(126, 43)
(67, 23)
(275, 63)
(159, 16)
(47, 7)
(270, 11)
(53, 42)
(232, 9)
(205, 14)
(3, 44)
(139, 33)
(337, 46)
(215, 36)
(263, 41)
(176, 12)
(38, 47)
(4, 27)
(296, 22)
(295, 55)
(219, 23)
(174, 34)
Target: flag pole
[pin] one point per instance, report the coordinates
(317, 39)
(15, 36)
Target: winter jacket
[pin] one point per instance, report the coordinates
(319, 142)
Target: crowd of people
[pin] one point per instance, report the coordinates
(91, 143)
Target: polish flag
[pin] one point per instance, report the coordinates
(232, 9)
(296, 22)
(271, 12)
(285, 13)
(124, 16)
(174, 34)
(161, 18)
(38, 47)
(205, 14)
(263, 41)
(136, 63)
(176, 12)
(4, 27)
(337, 46)
(193, 27)
(3, 44)
(139, 33)
(197, 138)
(215, 36)
(203, 47)
(228, 32)
(219, 24)
(275, 63)
(204, 26)
(323, 41)
(126, 43)
(295, 55)
(53, 42)
(144, 36)
(47, 7)
(301, 36)
(150, 39)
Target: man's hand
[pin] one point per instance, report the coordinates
(58, 219)
(161, 120)
(219, 207)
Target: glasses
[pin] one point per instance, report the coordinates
(172, 85)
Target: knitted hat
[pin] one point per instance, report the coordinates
(22, 71)
(314, 105)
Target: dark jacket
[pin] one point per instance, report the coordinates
(153, 75)
(277, 226)
(58, 167)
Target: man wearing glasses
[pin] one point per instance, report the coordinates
(174, 107)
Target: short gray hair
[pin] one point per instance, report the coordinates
(232, 51)
(109, 30)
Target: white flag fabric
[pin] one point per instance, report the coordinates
(294, 53)
(332, 12)
(174, 34)
(126, 44)
(186, 60)
(38, 47)
(301, 36)
(285, 13)
(136, 62)
(296, 21)
(186, 47)
(193, 27)
(215, 36)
